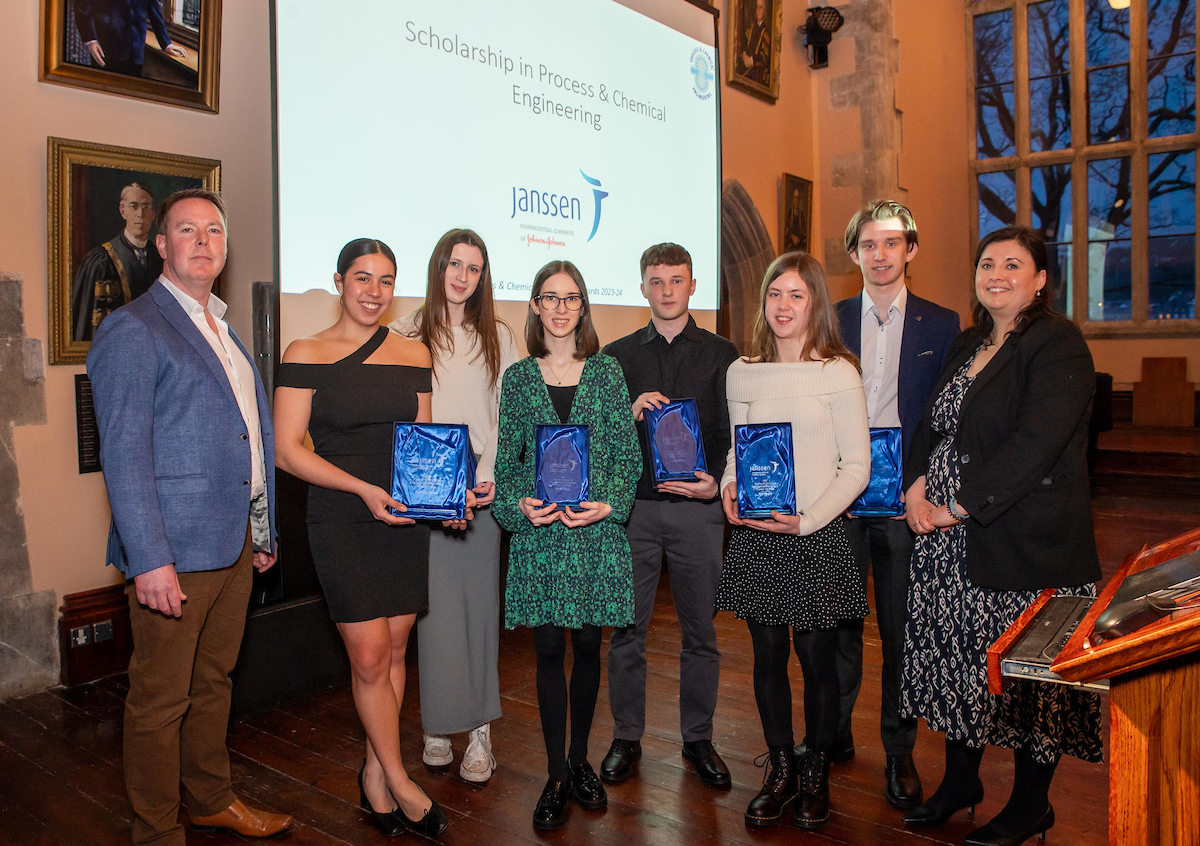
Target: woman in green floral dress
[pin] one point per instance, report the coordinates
(567, 569)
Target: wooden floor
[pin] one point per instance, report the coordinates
(60, 754)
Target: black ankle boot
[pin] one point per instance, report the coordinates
(778, 790)
(812, 808)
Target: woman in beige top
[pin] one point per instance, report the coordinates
(458, 640)
(796, 570)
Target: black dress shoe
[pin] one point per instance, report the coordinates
(431, 825)
(388, 823)
(935, 813)
(778, 791)
(842, 751)
(551, 810)
(708, 763)
(811, 809)
(903, 784)
(989, 835)
(589, 792)
(618, 764)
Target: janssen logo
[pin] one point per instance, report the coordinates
(559, 204)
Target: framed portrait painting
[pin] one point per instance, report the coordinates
(168, 51)
(101, 247)
(795, 212)
(753, 37)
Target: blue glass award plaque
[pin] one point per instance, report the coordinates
(676, 449)
(562, 465)
(766, 472)
(882, 496)
(430, 462)
(472, 467)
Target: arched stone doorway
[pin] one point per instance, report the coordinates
(746, 250)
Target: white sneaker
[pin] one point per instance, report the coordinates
(438, 752)
(478, 762)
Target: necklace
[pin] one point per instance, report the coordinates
(554, 372)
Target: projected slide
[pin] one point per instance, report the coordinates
(575, 129)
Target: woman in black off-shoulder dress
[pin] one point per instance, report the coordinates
(346, 386)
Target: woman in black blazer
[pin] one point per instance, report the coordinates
(998, 495)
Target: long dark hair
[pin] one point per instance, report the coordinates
(1031, 240)
(821, 335)
(360, 247)
(586, 342)
(479, 313)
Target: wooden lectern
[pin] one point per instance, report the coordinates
(1154, 761)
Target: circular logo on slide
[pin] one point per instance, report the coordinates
(703, 78)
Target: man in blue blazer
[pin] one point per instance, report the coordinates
(187, 448)
(902, 342)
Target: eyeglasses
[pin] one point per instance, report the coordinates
(138, 206)
(573, 302)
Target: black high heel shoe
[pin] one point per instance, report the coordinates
(988, 836)
(388, 824)
(431, 825)
(932, 814)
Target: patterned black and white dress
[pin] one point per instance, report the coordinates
(952, 622)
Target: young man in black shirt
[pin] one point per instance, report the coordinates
(673, 358)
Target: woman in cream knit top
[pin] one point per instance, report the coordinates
(823, 400)
(792, 578)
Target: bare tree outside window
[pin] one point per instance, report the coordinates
(1079, 175)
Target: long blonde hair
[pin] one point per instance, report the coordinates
(821, 339)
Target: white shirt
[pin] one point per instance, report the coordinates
(238, 370)
(881, 337)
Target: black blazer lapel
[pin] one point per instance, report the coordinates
(910, 343)
(1003, 357)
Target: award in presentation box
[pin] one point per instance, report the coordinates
(562, 465)
(676, 449)
(430, 465)
(766, 472)
(882, 496)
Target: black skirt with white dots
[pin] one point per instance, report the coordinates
(808, 582)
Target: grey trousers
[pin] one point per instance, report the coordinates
(887, 546)
(458, 638)
(690, 536)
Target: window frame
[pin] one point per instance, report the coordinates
(1078, 155)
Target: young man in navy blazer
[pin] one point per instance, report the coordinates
(189, 463)
(902, 342)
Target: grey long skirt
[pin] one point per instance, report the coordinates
(458, 639)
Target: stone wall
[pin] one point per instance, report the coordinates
(28, 643)
(872, 168)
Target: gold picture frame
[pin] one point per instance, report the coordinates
(753, 39)
(185, 72)
(97, 194)
(795, 214)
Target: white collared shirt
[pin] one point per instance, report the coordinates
(881, 337)
(238, 370)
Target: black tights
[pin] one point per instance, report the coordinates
(1030, 794)
(773, 692)
(550, 644)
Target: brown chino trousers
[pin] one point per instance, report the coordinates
(177, 711)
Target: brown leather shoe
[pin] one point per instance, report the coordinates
(249, 822)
